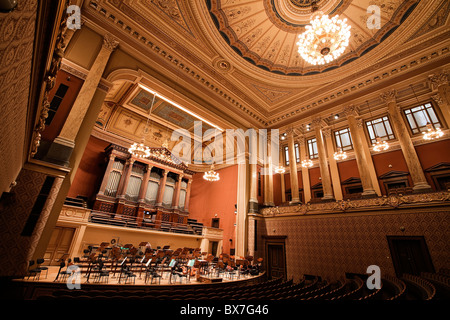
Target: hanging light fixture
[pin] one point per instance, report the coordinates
(340, 155)
(211, 175)
(378, 145)
(280, 169)
(432, 133)
(325, 39)
(140, 150)
(307, 163)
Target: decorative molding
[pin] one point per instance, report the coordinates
(379, 203)
(49, 83)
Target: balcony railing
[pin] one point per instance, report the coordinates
(125, 221)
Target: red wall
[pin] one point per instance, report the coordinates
(348, 169)
(211, 198)
(90, 171)
(428, 156)
(277, 189)
(382, 161)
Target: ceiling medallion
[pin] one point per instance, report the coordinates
(324, 40)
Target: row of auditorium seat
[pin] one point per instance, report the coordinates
(310, 287)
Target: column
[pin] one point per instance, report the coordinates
(293, 168)
(122, 189)
(176, 195)
(268, 177)
(305, 170)
(439, 83)
(108, 170)
(282, 182)
(361, 159)
(188, 195)
(241, 237)
(402, 134)
(323, 163)
(253, 201)
(63, 145)
(144, 185)
(162, 185)
(335, 178)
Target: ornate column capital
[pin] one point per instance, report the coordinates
(359, 123)
(301, 140)
(351, 110)
(318, 123)
(437, 80)
(110, 42)
(438, 99)
(326, 131)
(389, 96)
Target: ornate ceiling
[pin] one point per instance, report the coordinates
(237, 61)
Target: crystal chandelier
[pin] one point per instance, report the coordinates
(432, 133)
(139, 150)
(340, 155)
(211, 175)
(280, 169)
(380, 145)
(324, 40)
(307, 163)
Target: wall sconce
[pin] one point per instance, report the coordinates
(7, 5)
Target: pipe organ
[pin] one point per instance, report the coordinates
(156, 186)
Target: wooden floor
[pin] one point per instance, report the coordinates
(114, 279)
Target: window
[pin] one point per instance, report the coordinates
(312, 148)
(56, 101)
(286, 155)
(418, 117)
(381, 128)
(297, 153)
(343, 139)
(215, 222)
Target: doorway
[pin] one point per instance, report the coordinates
(58, 245)
(275, 257)
(410, 255)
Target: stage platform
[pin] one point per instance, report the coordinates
(31, 289)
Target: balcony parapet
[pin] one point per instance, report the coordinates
(390, 202)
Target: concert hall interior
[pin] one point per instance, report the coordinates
(190, 150)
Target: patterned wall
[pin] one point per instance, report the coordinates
(16, 250)
(16, 52)
(330, 245)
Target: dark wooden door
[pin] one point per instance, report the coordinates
(410, 255)
(275, 256)
(276, 261)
